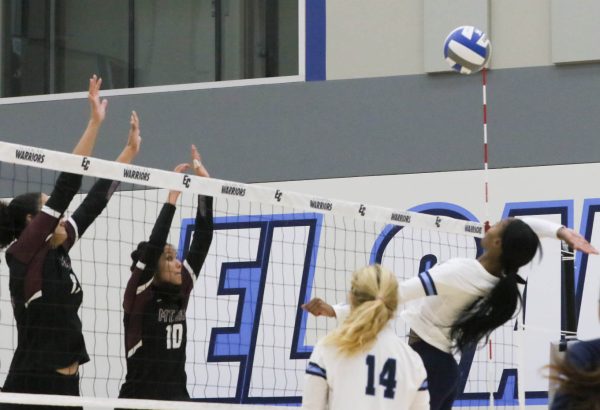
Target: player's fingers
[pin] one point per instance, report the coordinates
(315, 306)
(587, 248)
(181, 167)
(309, 307)
(195, 153)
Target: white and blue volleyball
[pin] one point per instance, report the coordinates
(467, 49)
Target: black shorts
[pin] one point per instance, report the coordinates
(153, 391)
(442, 375)
(40, 382)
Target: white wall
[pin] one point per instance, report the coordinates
(520, 33)
(374, 38)
(385, 37)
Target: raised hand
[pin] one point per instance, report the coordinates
(199, 168)
(97, 106)
(134, 140)
(576, 241)
(86, 143)
(318, 307)
(174, 195)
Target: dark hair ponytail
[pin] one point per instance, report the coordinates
(13, 217)
(519, 245)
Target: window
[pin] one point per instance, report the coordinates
(52, 46)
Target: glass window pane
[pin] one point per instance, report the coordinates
(174, 42)
(51, 46)
(91, 37)
(287, 39)
(24, 58)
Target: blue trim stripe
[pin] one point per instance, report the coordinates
(427, 283)
(424, 385)
(316, 370)
(316, 23)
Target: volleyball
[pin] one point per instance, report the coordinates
(467, 49)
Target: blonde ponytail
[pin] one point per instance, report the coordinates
(374, 299)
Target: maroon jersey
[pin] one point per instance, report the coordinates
(155, 323)
(45, 291)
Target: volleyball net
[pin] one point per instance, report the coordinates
(248, 340)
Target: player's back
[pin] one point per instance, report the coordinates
(390, 375)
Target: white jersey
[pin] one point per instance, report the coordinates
(390, 375)
(455, 285)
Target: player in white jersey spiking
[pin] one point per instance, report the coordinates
(463, 300)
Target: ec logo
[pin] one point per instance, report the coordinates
(186, 181)
(85, 163)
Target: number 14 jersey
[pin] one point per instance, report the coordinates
(390, 375)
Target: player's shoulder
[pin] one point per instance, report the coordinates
(470, 263)
(322, 349)
(456, 264)
(464, 267)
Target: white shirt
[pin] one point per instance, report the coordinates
(390, 375)
(454, 285)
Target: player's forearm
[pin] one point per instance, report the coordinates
(203, 233)
(94, 203)
(162, 226)
(86, 143)
(127, 155)
(542, 227)
(67, 185)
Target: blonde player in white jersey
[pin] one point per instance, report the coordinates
(467, 298)
(363, 364)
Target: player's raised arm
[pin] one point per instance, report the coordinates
(547, 229)
(86, 143)
(134, 140)
(98, 197)
(203, 228)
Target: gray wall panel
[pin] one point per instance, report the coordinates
(537, 116)
(575, 31)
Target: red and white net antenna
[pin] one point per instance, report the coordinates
(485, 152)
(490, 374)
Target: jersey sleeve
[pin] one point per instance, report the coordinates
(92, 206)
(444, 279)
(38, 231)
(316, 388)
(144, 269)
(342, 311)
(542, 227)
(200, 244)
